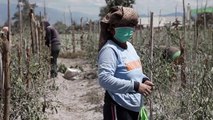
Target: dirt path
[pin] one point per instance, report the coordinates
(79, 99)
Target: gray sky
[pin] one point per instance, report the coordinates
(142, 6)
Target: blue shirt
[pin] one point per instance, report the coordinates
(118, 68)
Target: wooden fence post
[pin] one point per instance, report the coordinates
(6, 69)
(183, 64)
(36, 35)
(182, 48)
(6, 60)
(39, 36)
(73, 39)
(21, 38)
(32, 31)
(82, 35)
(1, 83)
(151, 60)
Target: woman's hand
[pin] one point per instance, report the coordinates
(146, 88)
(148, 82)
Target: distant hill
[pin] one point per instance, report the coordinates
(170, 14)
(54, 15)
(174, 14)
(143, 15)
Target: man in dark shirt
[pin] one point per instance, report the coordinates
(52, 41)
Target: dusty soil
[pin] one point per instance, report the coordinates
(79, 99)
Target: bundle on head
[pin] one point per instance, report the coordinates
(121, 16)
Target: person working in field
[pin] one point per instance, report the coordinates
(52, 41)
(171, 54)
(119, 67)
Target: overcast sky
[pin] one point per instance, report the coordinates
(142, 6)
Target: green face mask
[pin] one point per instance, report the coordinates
(123, 34)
